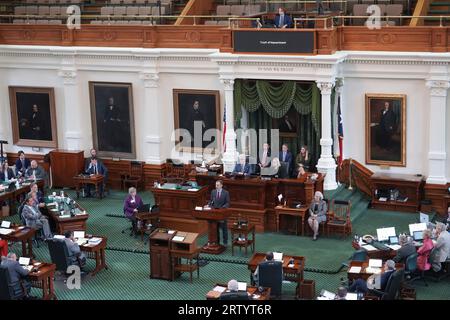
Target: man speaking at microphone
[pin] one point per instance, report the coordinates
(220, 198)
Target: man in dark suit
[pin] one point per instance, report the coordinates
(22, 164)
(17, 275)
(220, 198)
(406, 250)
(282, 20)
(360, 285)
(38, 124)
(35, 172)
(387, 126)
(242, 167)
(233, 292)
(286, 157)
(6, 173)
(94, 166)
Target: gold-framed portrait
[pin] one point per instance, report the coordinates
(33, 116)
(197, 114)
(386, 129)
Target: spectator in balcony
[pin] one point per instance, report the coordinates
(282, 20)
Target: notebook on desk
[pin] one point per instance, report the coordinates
(6, 224)
(278, 256)
(24, 261)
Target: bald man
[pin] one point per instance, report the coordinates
(35, 172)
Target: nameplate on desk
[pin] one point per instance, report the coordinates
(64, 216)
(198, 208)
(274, 41)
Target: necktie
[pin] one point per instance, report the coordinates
(95, 169)
(242, 168)
(284, 156)
(23, 164)
(218, 194)
(281, 21)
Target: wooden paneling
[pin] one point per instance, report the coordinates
(65, 165)
(118, 36)
(12, 157)
(359, 175)
(428, 39)
(438, 195)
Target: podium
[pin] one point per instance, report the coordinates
(213, 217)
(160, 259)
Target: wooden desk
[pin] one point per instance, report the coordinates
(213, 217)
(255, 199)
(184, 249)
(65, 164)
(24, 235)
(251, 291)
(176, 208)
(377, 254)
(13, 196)
(409, 185)
(243, 230)
(294, 212)
(363, 274)
(96, 180)
(75, 223)
(294, 274)
(43, 279)
(143, 217)
(96, 252)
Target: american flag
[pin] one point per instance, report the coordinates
(340, 132)
(224, 142)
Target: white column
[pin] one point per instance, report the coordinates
(72, 112)
(326, 163)
(150, 120)
(437, 145)
(230, 156)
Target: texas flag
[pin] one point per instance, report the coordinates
(224, 142)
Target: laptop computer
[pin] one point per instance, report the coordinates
(6, 224)
(393, 240)
(78, 234)
(424, 218)
(418, 235)
(24, 261)
(144, 208)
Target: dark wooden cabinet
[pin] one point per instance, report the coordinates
(65, 164)
(160, 259)
(409, 187)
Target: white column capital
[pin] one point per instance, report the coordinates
(438, 87)
(151, 80)
(325, 87)
(228, 84)
(69, 75)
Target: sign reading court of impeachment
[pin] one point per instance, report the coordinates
(274, 41)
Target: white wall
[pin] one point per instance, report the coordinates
(416, 120)
(204, 69)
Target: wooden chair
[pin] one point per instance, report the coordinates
(339, 218)
(175, 170)
(134, 175)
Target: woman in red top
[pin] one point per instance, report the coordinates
(424, 252)
(3, 248)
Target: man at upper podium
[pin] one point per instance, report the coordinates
(220, 198)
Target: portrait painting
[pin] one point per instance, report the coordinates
(287, 125)
(386, 129)
(33, 117)
(196, 111)
(112, 119)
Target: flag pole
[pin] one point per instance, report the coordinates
(350, 174)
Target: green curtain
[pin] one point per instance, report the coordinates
(265, 100)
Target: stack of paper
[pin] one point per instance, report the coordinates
(373, 270)
(178, 238)
(192, 189)
(351, 296)
(394, 246)
(327, 295)
(242, 286)
(95, 240)
(219, 289)
(375, 263)
(369, 247)
(6, 231)
(58, 236)
(198, 208)
(82, 241)
(354, 270)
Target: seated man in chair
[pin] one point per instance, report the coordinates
(75, 255)
(362, 286)
(18, 276)
(269, 273)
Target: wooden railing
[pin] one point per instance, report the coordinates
(355, 175)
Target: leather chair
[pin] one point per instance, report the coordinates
(59, 255)
(411, 270)
(270, 274)
(239, 295)
(392, 290)
(9, 291)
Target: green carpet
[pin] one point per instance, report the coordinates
(128, 259)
